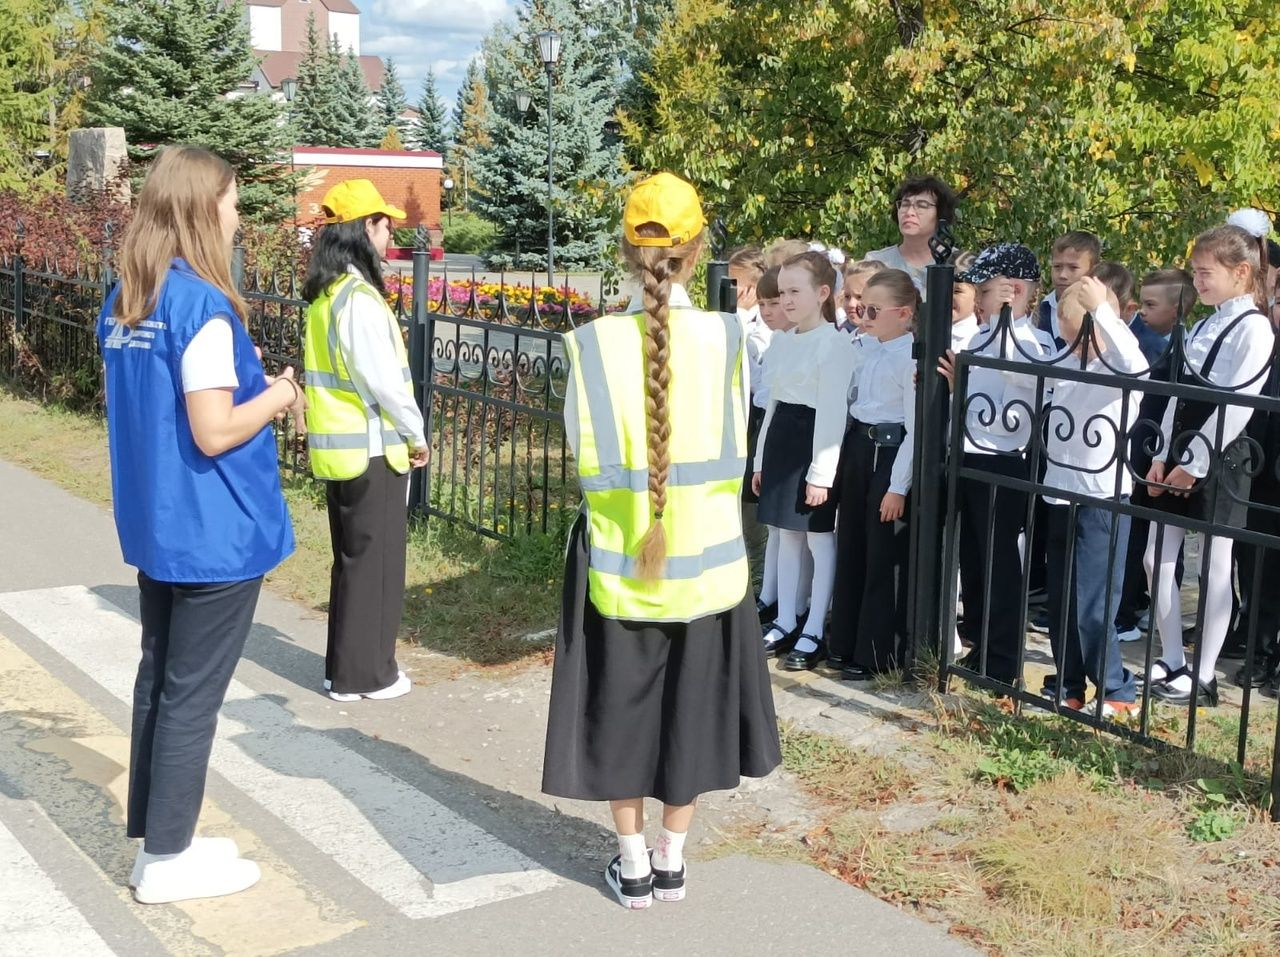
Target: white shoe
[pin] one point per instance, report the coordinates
(400, 688)
(190, 876)
(1129, 634)
(212, 849)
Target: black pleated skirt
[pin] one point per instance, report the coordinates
(755, 420)
(1230, 484)
(667, 711)
(788, 451)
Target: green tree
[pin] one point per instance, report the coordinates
(391, 140)
(175, 71)
(427, 130)
(510, 172)
(315, 108)
(470, 127)
(1141, 121)
(355, 103)
(391, 102)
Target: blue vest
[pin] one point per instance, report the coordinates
(182, 516)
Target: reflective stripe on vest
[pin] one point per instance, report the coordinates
(706, 566)
(337, 408)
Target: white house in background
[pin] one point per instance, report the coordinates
(278, 32)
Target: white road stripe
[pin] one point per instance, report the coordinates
(387, 834)
(37, 919)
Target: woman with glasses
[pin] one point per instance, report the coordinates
(918, 206)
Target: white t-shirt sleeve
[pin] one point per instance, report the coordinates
(209, 361)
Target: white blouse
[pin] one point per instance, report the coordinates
(998, 419)
(884, 390)
(962, 333)
(1239, 367)
(812, 368)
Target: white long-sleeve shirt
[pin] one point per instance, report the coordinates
(1238, 367)
(962, 333)
(812, 368)
(364, 335)
(883, 391)
(1010, 397)
(757, 344)
(1088, 459)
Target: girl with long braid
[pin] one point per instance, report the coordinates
(659, 687)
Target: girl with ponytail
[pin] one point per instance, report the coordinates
(659, 687)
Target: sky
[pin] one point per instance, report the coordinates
(444, 34)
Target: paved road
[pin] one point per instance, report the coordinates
(411, 826)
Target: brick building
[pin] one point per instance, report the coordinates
(410, 180)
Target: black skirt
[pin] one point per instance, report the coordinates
(1230, 483)
(788, 450)
(755, 419)
(667, 711)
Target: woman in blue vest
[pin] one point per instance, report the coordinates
(659, 687)
(197, 502)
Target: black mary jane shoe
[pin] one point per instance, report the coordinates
(805, 660)
(766, 612)
(1207, 697)
(779, 646)
(1264, 671)
(852, 672)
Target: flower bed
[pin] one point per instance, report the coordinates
(489, 296)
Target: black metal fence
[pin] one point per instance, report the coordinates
(1003, 658)
(488, 367)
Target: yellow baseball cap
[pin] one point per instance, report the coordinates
(668, 201)
(356, 199)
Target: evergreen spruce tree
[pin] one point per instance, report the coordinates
(511, 170)
(360, 124)
(391, 102)
(317, 118)
(470, 129)
(427, 131)
(164, 73)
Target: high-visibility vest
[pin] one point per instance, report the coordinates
(337, 411)
(706, 567)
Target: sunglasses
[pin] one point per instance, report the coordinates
(871, 312)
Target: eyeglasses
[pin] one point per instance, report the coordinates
(919, 205)
(871, 312)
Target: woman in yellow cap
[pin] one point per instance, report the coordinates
(365, 433)
(659, 687)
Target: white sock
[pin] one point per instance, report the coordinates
(804, 592)
(822, 546)
(635, 856)
(1217, 604)
(1166, 603)
(790, 549)
(769, 580)
(668, 851)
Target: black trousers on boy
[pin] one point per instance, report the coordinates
(192, 637)
(868, 610)
(1003, 520)
(369, 529)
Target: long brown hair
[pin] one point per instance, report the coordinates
(823, 274)
(657, 267)
(1231, 246)
(177, 215)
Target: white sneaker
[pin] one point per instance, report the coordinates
(190, 876)
(400, 688)
(210, 848)
(1129, 634)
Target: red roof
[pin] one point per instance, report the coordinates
(333, 6)
(279, 65)
(359, 151)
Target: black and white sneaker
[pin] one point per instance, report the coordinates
(633, 893)
(668, 885)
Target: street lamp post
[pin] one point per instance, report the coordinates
(448, 196)
(289, 87)
(549, 50)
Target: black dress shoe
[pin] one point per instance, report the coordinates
(836, 662)
(779, 645)
(852, 672)
(805, 660)
(1263, 672)
(1208, 696)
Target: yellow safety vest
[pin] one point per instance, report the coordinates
(337, 411)
(706, 569)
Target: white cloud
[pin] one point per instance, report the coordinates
(442, 34)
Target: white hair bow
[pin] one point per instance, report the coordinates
(1255, 222)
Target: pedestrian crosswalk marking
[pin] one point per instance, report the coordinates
(88, 750)
(418, 855)
(37, 919)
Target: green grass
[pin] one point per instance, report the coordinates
(471, 599)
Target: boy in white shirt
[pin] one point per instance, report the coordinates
(1084, 451)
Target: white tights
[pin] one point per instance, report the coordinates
(791, 549)
(769, 580)
(1168, 603)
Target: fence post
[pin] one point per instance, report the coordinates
(717, 269)
(18, 292)
(929, 466)
(237, 265)
(421, 337)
